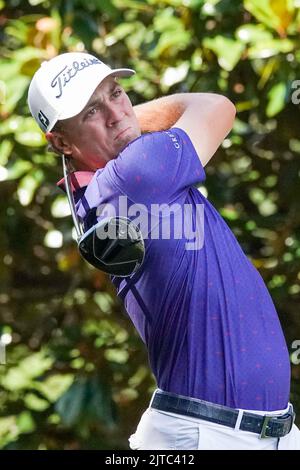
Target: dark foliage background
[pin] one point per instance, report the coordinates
(76, 373)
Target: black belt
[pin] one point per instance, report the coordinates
(265, 425)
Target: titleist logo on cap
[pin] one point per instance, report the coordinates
(69, 72)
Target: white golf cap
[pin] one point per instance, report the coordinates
(62, 86)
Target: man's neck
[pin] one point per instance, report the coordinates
(81, 166)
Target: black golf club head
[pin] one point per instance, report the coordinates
(114, 245)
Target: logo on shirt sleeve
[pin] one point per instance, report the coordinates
(174, 139)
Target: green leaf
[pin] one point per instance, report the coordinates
(26, 54)
(35, 2)
(241, 127)
(9, 430)
(270, 48)
(104, 301)
(60, 207)
(8, 69)
(276, 97)
(174, 75)
(35, 403)
(25, 422)
(120, 356)
(15, 380)
(119, 33)
(18, 30)
(29, 134)
(10, 125)
(18, 169)
(229, 213)
(28, 185)
(35, 364)
(21, 376)
(15, 89)
(228, 51)
(107, 7)
(170, 44)
(263, 12)
(253, 33)
(173, 37)
(6, 147)
(132, 4)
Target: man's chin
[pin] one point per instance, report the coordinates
(126, 139)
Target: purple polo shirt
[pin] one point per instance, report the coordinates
(205, 314)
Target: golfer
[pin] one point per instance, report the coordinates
(215, 344)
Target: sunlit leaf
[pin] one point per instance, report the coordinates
(172, 35)
(116, 355)
(60, 207)
(6, 147)
(28, 185)
(33, 402)
(15, 89)
(276, 96)
(174, 75)
(169, 44)
(35, 2)
(227, 50)
(275, 14)
(8, 430)
(25, 422)
(119, 33)
(270, 48)
(134, 4)
(18, 30)
(18, 169)
(54, 386)
(26, 54)
(29, 134)
(229, 213)
(53, 239)
(104, 301)
(10, 125)
(253, 33)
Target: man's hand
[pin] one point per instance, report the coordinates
(206, 117)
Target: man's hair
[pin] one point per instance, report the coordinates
(58, 127)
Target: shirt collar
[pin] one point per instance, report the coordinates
(79, 179)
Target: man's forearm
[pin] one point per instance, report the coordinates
(163, 113)
(159, 114)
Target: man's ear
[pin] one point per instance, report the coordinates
(59, 143)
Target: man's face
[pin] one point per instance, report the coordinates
(102, 129)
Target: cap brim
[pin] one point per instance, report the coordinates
(76, 106)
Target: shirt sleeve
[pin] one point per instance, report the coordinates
(157, 167)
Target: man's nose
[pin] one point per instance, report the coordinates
(114, 115)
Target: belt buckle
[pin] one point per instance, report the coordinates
(265, 424)
(292, 415)
(267, 419)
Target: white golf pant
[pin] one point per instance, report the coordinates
(162, 430)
